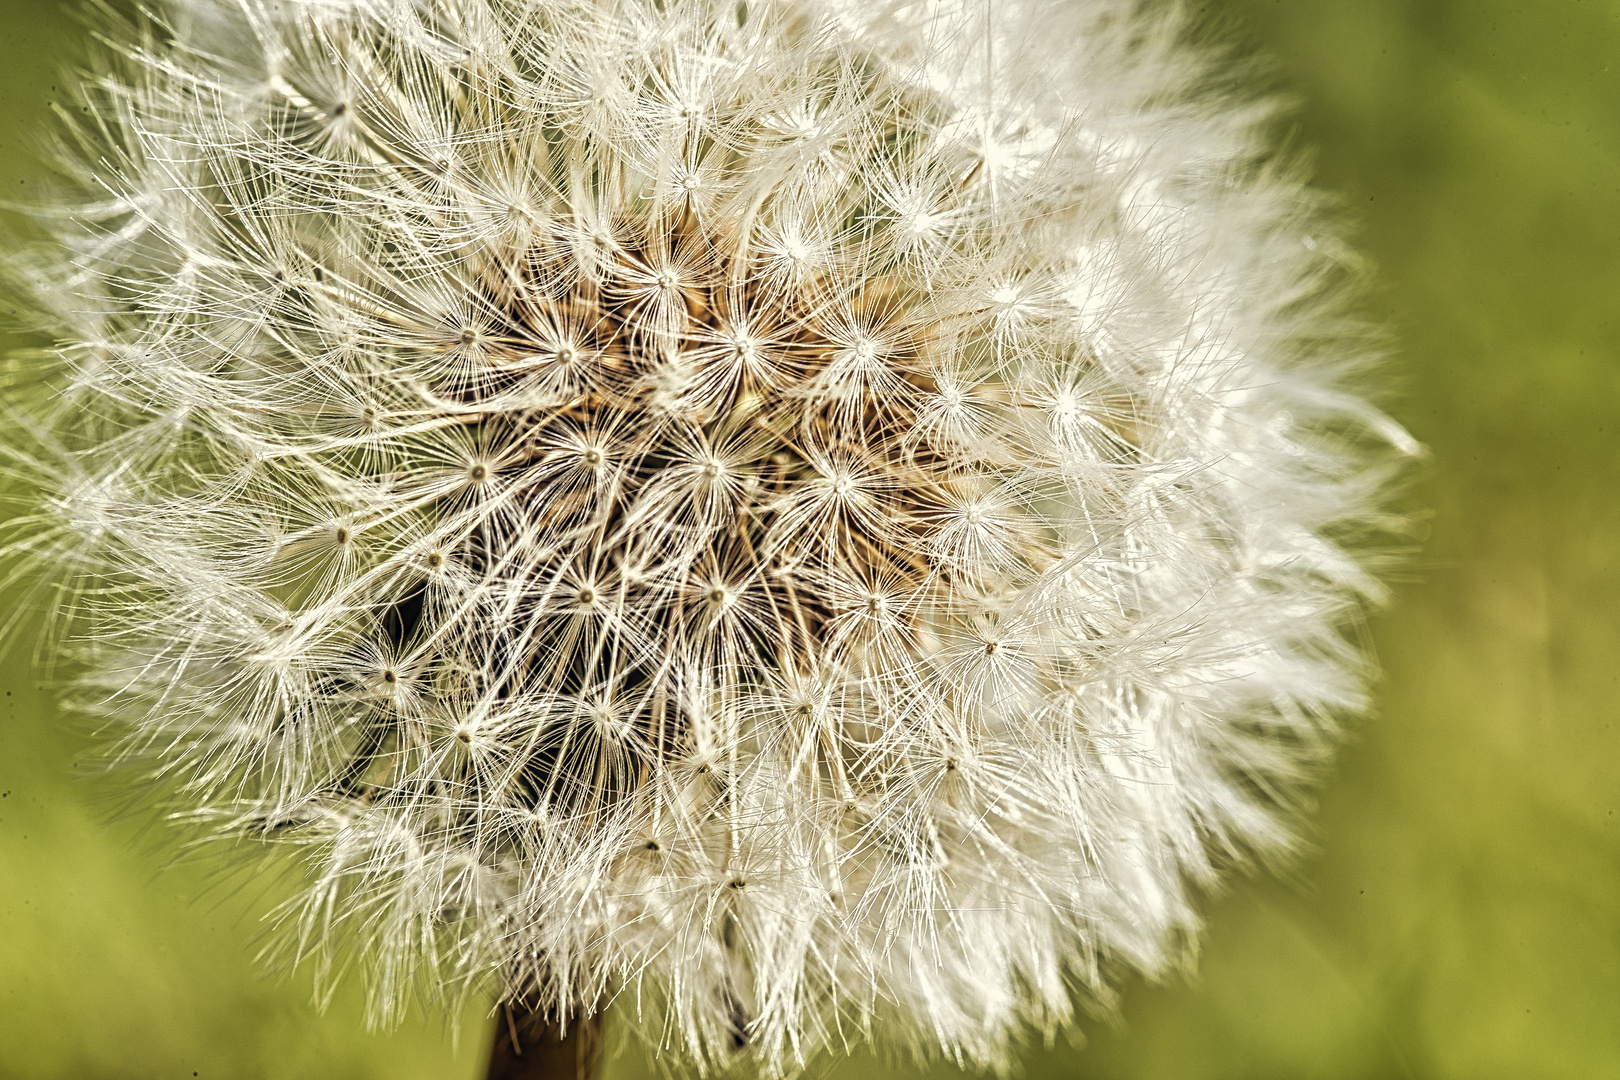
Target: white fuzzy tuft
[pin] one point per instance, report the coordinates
(827, 513)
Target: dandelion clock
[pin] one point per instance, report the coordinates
(811, 520)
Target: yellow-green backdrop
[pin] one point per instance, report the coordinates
(1460, 915)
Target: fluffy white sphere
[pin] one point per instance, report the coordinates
(821, 515)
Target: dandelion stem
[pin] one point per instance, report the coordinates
(531, 1045)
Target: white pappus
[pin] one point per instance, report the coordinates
(818, 518)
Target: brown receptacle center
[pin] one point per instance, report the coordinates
(665, 361)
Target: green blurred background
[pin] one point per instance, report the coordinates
(1460, 915)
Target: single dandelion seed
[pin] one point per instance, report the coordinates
(897, 463)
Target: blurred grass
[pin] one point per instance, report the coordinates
(1461, 915)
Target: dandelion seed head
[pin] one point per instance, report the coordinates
(833, 516)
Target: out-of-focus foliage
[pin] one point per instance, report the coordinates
(1461, 916)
